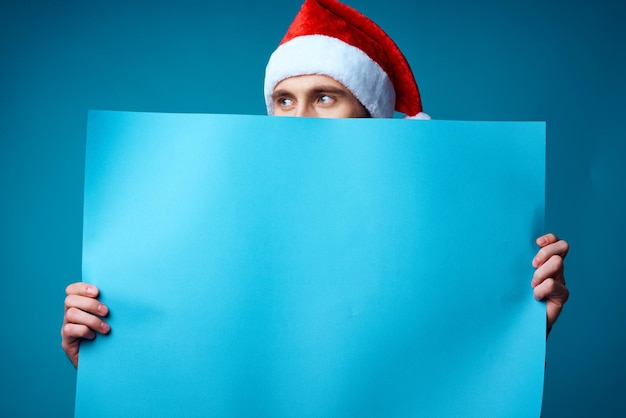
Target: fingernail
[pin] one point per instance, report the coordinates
(101, 309)
(91, 290)
(104, 327)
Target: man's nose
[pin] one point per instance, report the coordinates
(305, 111)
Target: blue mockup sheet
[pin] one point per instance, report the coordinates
(262, 266)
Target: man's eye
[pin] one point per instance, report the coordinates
(285, 102)
(325, 99)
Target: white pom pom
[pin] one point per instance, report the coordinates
(419, 116)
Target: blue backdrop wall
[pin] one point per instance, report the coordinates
(562, 62)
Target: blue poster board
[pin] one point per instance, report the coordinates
(290, 267)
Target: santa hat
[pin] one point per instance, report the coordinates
(330, 38)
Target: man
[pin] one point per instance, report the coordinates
(334, 41)
(333, 63)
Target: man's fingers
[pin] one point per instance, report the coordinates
(82, 289)
(547, 239)
(76, 316)
(549, 278)
(73, 332)
(552, 269)
(546, 252)
(552, 291)
(86, 304)
(82, 318)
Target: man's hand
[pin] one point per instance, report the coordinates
(548, 281)
(82, 318)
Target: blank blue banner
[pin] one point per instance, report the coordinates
(290, 267)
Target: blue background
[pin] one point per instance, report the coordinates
(562, 62)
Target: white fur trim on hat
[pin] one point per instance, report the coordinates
(419, 116)
(324, 55)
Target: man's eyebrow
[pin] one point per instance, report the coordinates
(280, 93)
(329, 89)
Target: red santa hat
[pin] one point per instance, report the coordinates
(330, 38)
